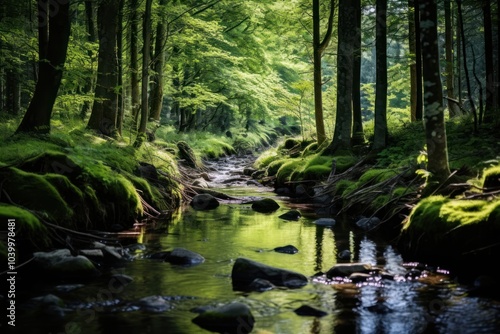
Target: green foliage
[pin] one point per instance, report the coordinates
(274, 166)
(286, 169)
(377, 175)
(266, 158)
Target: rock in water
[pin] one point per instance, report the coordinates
(245, 271)
(61, 264)
(325, 222)
(233, 318)
(265, 205)
(204, 202)
(367, 224)
(291, 215)
(183, 256)
(306, 310)
(288, 249)
(346, 269)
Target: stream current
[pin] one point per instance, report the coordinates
(433, 303)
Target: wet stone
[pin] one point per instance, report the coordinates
(325, 222)
(306, 310)
(291, 215)
(153, 304)
(183, 256)
(233, 318)
(288, 249)
(261, 285)
(265, 205)
(346, 269)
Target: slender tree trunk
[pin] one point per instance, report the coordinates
(358, 137)
(380, 132)
(119, 59)
(459, 61)
(490, 114)
(159, 62)
(480, 85)
(13, 92)
(105, 109)
(413, 66)
(146, 57)
(435, 129)
(453, 108)
(497, 102)
(464, 57)
(343, 121)
(318, 49)
(89, 86)
(52, 54)
(418, 63)
(134, 63)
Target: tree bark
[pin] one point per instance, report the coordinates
(380, 132)
(435, 129)
(53, 48)
(89, 87)
(418, 63)
(357, 129)
(489, 112)
(343, 121)
(134, 63)
(146, 57)
(159, 63)
(413, 66)
(318, 49)
(453, 108)
(119, 59)
(105, 109)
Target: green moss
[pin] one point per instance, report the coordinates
(491, 177)
(426, 217)
(215, 148)
(266, 158)
(274, 166)
(379, 201)
(34, 192)
(28, 226)
(285, 171)
(70, 193)
(376, 175)
(310, 149)
(342, 185)
(318, 172)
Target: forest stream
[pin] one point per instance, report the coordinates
(408, 298)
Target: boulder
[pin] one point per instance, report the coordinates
(183, 256)
(265, 205)
(200, 183)
(291, 215)
(61, 264)
(347, 269)
(204, 202)
(288, 249)
(245, 271)
(233, 318)
(261, 285)
(325, 222)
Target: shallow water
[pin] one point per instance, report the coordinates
(432, 304)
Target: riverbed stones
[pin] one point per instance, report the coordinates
(204, 202)
(347, 269)
(246, 270)
(265, 205)
(182, 256)
(288, 249)
(153, 304)
(232, 318)
(291, 215)
(61, 264)
(325, 222)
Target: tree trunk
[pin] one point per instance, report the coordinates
(357, 129)
(53, 47)
(119, 59)
(134, 63)
(413, 66)
(453, 108)
(489, 112)
(13, 92)
(343, 120)
(159, 61)
(318, 49)
(89, 87)
(435, 130)
(146, 57)
(380, 131)
(464, 58)
(418, 63)
(105, 109)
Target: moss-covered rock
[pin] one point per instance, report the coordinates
(52, 162)
(35, 193)
(491, 178)
(186, 154)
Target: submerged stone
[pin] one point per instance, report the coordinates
(183, 256)
(325, 222)
(367, 224)
(306, 310)
(347, 269)
(153, 304)
(204, 202)
(245, 271)
(261, 285)
(291, 215)
(288, 249)
(233, 318)
(265, 205)
(61, 264)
